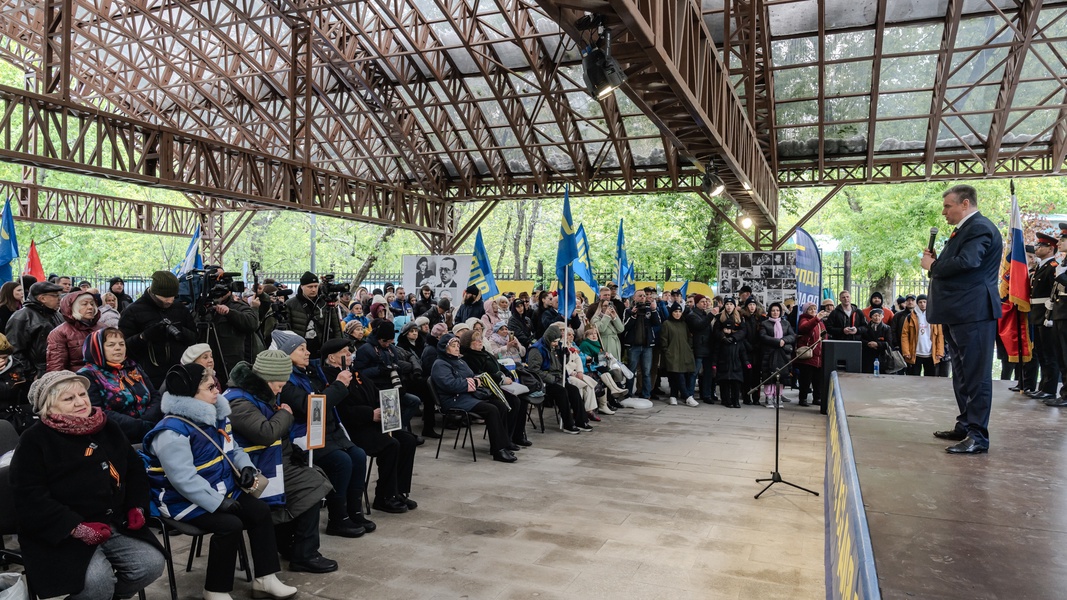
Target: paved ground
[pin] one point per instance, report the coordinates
(653, 504)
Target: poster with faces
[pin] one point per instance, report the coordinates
(446, 274)
(771, 275)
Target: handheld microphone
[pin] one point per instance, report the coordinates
(933, 236)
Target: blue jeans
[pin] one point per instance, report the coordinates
(347, 471)
(121, 566)
(642, 354)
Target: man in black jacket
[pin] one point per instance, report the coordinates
(28, 328)
(472, 305)
(117, 286)
(311, 316)
(847, 321)
(236, 336)
(639, 335)
(700, 323)
(379, 361)
(157, 328)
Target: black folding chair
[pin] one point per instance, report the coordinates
(465, 423)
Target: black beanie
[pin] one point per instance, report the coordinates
(472, 289)
(308, 277)
(184, 380)
(383, 329)
(165, 284)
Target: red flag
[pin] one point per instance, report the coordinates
(1015, 292)
(33, 263)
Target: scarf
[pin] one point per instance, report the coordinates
(777, 327)
(72, 425)
(124, 388)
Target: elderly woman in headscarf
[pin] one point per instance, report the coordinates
(80, 317)
(496, 310)
(81, 495)
(503, 344)
(118, 385)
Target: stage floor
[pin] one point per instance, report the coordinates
(949, 527)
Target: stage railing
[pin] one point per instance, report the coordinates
(850, 570)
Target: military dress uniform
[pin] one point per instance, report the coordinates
(1057, 314)
(1041, 284)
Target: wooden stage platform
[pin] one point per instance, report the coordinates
(951, 527)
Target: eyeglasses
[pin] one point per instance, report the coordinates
(212, 387)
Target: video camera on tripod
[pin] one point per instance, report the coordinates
(330, 289)
(202, 289)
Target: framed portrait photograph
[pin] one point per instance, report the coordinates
(316, 421)
(390, 404)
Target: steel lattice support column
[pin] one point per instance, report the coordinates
(57, 32)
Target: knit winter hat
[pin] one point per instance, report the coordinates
(420, 321)
(352, 325)
(273, 365)
(184, 380)
(438, 330)
(383, 329)
(308, 277)
(194, 352)
(552, 334)
(39, 389)
(165, 284)
(460, 327)
(698, 297)
(499, 325)
(472, 289)
(286, 341)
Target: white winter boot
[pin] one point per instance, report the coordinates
(217, 596)
(271, 587)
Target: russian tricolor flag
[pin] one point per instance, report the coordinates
(1015, 291)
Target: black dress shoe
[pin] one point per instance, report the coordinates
(317, 564)
(408, 502)
(362, 521)
(1015, 388)
(345, 528)
(504, 455)
(1056, 401)
(389, 505)
(969, 445)
(1043, 396)
(950, 434)
(419, 440)
(430, 433)
(1033, 393)
(523, 442)
(513, 447)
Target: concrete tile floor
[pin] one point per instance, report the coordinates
(652, 504)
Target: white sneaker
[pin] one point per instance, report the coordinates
(770, 403)
(217, 596)
(271, 587)
(672, 401)
(690, 401)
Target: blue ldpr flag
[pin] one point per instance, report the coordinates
(481, 270)
(621, 262)
(566, 253)
(685, 290)
(192, 258)
(583, 267)
(9, 246)
(627, 288)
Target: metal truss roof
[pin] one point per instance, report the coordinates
(456, 100)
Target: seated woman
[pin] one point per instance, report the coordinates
(80, 317)
(355, 313)
(544, 360)
(361, 415)
(455, 385)
(575, 368)
(109, 310)
(481, 361)
(343, 462)
(355, 333)
(597, 366)
(201, 355)
(503, 344)
(261, 426)
(197, 484)
(81, 496)
(118, 385)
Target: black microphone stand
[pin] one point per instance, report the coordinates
(776, 476)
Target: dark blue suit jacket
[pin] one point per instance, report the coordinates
(964, 280)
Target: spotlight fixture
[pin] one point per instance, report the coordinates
(746, 223)
(712, 184)
(603, 74)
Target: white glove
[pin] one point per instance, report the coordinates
(1048, 323)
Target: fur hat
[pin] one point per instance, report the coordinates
(194, 352)
(39, 389)
(273, 365)
(165, 284)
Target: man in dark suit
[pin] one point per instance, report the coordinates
(965, 300)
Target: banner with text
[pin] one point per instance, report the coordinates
(809, 269)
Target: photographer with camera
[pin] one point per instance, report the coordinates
(639, 325)
(273, 313)
(235, 326)
(312, 312)
(157, 328)
(379, 361)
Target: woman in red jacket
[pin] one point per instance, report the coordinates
(80, 318)
(810, 330)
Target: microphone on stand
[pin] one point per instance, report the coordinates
(933, 236)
